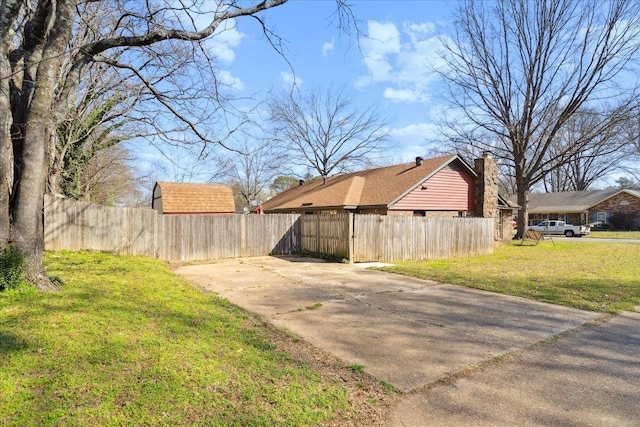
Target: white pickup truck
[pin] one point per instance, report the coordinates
(560, 227)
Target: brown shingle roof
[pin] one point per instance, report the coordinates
(373, 187)
(185, 198)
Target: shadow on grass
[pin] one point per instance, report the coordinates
(11, 342)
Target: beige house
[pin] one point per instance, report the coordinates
(584, 207)
(176, 198)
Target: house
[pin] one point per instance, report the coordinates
(582, 207)
(177, 198)
(440, 186)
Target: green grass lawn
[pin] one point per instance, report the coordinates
(127, 342)
(615, 234)
(592, 276)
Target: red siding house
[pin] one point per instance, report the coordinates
(177, 198)
(451, 189)
(440, 186)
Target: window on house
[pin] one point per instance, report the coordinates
(419, 213)
(602, 217)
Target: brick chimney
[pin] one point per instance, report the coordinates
(487, 187)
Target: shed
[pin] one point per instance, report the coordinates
(178, 198)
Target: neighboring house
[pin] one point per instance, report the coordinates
(441, 186)
(176, 198)
(582, 207)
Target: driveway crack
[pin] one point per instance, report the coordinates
(495, 362)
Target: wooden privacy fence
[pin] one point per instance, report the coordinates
(400, 238)
(73, 225)
(327, 234)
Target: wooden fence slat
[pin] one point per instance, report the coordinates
(77, 225)
(395, 238)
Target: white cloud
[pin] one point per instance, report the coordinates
(418, 31)
(404, 58)
(422, 130)
(415, 140)
(289, 80)
(226, 37)
(226, 78)
(327, 47)
(224, 41)
(405, 95)
(383, 40)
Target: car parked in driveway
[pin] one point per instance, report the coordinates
(561, 227)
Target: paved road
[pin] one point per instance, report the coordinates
(419, 335)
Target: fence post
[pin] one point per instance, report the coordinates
(350, 236)
(316, 217)
(243, 234)
(157, 235)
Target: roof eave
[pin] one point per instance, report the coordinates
(555, 209)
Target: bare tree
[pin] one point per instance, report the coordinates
(110, 178)
(603, 150)
(164, 46)
(250, 170)
(631, 134)
(519, 70)
(327, 131)
(98, 120)
(282, 182)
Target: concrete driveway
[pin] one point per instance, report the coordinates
(420, 335)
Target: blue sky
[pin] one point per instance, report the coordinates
(390, 68)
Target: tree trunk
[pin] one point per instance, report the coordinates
(6, 158)
(27, 228)
(522, 190)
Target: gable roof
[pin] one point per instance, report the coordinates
(187, 198)
(379, 187)
(572, 201)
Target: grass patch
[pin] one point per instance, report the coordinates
(356, 368)
(615, 234)
(314, 306)
(127, 342)
(390, 387)
(12, 268)
(591, 276)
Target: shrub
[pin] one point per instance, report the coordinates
(12, 268)
(624, 221)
